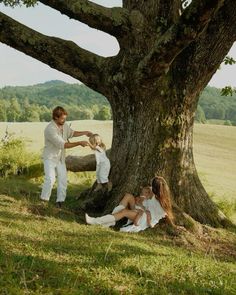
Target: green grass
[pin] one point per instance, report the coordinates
(214, 150)
(215, 159)
(216, 122)
(44, 250)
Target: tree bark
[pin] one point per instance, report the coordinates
(153, 134)
(59, 54)
(114, 21)
(166, 58)
(188, 27)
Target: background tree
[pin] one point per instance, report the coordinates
(200, 115)
(103, 114)
(167, 56)
(84, 103)
(231, 115)
(14, 112)
(3, 111)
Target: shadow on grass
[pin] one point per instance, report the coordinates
(28, 192)
(24, 274)
(95, 275)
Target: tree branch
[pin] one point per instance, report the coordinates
(81, 164)
(114, 21)
(59, 54)
(85, 163)
(196, 65)
(190, 25)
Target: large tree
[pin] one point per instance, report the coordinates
(167, 56)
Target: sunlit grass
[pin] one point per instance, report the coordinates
(45, 251)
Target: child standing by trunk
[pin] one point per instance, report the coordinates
(102, 162)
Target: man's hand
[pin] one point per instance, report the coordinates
(84, 143)
(88, 133)
(91, 146)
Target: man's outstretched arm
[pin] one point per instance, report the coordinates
(82, 133)
(69, 145)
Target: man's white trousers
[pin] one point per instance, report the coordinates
(52, 169)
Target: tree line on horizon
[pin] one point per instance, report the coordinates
(35, 103)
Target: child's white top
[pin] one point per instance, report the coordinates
(100, 155)
(144, 203)
(157, 213)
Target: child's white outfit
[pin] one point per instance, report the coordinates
(153, 205)
(103, 165)
(144, 203)
(138, 207)
(157, 213)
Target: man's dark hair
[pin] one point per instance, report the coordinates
(58, 112)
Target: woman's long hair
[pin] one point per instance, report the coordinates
(162, 193)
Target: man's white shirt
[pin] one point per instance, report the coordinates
(54, 141)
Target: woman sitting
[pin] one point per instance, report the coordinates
(157, 207)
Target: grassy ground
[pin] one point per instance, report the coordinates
(215, 158)
(214, 150)
(44, 250)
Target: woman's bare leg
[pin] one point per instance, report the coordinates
(130, 214)
(128, 201)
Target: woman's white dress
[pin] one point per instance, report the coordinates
(102, 165)
(157, 213)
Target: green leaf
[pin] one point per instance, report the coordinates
(229, 60)
(13, 3)
(227, 90)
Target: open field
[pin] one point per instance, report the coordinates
(33, 133)
(214, 150)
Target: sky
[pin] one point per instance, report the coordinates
(18, 69)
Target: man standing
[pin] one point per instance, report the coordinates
(56, 136)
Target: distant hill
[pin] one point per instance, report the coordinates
(34, 103)
(54, 92)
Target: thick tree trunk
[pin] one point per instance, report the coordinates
(153, 134)
(152, 137)
(81, 164)
(166, 58)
